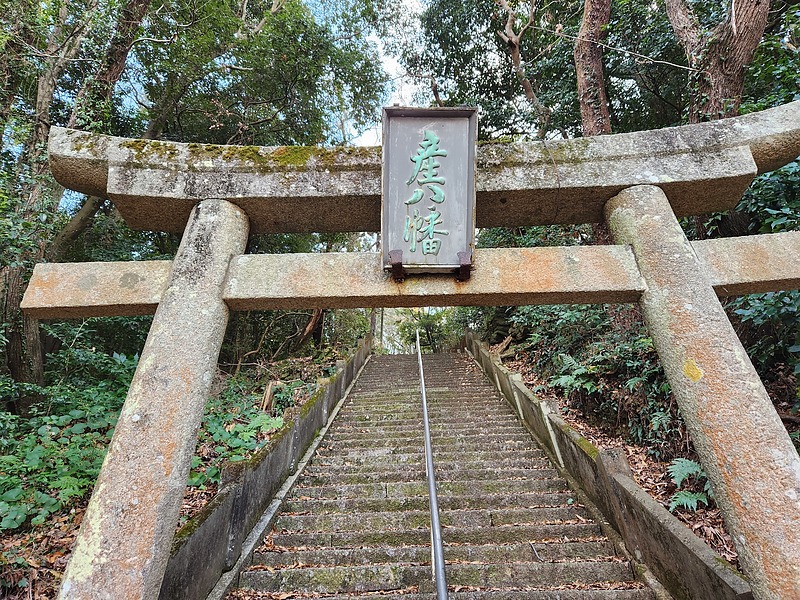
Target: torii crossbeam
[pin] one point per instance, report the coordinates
(638, 182)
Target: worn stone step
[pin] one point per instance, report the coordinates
(320, 476)
(303, 504)
(393, 577)
(411, 436)
(507, 422)
(499, 442)
(421, 555)
(383, 406)
(502, 534)
(416, 519)
(444, 488)
(443, 463)
(466, 399)
(443, 455)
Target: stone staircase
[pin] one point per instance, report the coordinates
(357, 522)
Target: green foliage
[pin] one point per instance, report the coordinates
(457, 46)
(52, 459)
(260, 77)
(234, 426)
(435, 329)
(773, 78)
(643, 94)
(683, 470)
(344, 328)
(772, 203)
(602, 360)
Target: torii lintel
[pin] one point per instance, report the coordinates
(702, 168)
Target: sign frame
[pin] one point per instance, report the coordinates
(411, 138)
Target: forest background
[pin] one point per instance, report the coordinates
(292, 72)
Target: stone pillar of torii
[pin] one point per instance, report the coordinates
(216, 195)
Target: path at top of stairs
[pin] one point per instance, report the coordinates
(357, 523)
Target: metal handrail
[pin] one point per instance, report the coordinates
(437, 548)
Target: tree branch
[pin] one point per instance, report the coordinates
(685, 26)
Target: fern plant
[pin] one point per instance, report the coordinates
(683, 470)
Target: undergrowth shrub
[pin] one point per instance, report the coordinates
(234, 426)
(51, 460)
(698, 487)
(601, 359)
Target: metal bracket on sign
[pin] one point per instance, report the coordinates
(465, 265)
(396, 261)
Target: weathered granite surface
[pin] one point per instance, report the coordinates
(124, 541)
(702, 168)
(743, 446)
(502, 276)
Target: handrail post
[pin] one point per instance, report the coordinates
(437, 548)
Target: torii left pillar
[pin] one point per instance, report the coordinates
(138, 495)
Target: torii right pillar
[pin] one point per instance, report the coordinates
(744, 448)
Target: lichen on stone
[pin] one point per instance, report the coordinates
(147, 150)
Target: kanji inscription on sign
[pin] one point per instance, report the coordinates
(428, 207)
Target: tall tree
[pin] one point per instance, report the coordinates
(512, 34)
(267, 73)
(719, 53)
(92, 111)
(505, 57)
(588, 54)
(33, 200)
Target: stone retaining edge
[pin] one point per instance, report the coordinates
(681, 561)
(211, 543)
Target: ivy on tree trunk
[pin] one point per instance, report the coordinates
(719, 56)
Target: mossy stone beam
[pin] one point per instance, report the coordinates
(124, 541)
(502, 276)
(702, 168)
(743, 446)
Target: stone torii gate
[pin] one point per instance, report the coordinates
(639, 183)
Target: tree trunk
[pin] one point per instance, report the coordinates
(719, 56)
(92, 105)
(588, 54)
(313, 322)
(513, 40)
(91, 111)
(24, 350)
(79, 222)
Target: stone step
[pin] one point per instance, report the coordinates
(421, 555)
(412, 399)
(440, 454)
(495, 422)
(319, 476)
(444, 488)
(306, 504)
(451, 462)
(409, 406)
(380, 577)
(509, 443)
(410, 437)
(395, 415)
(417, 519)
(502, 534)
